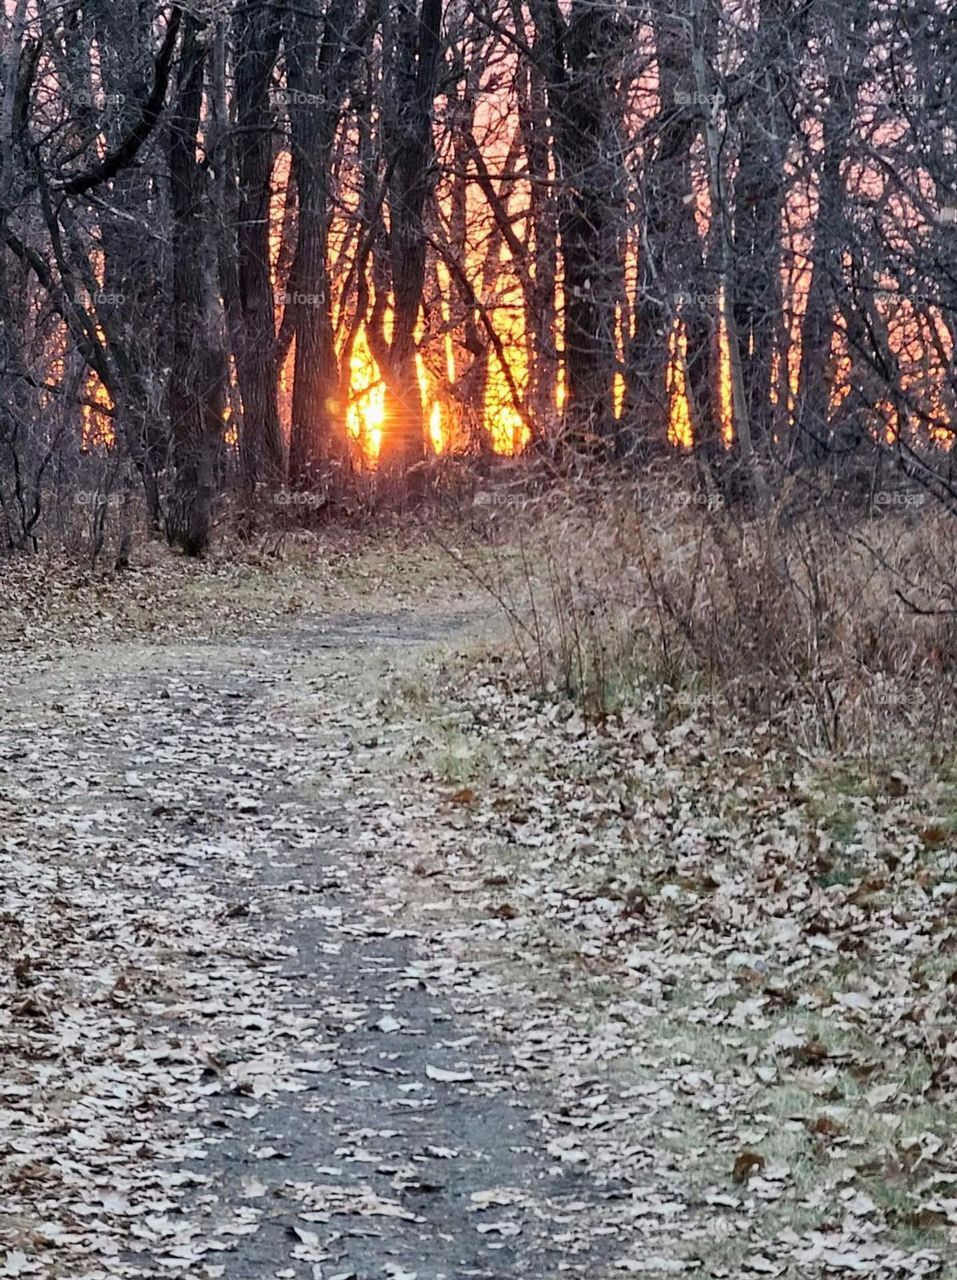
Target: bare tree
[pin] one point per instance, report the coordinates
(196, 391)
(414, 44)
(257, 30)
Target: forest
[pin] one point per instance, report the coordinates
(266, 248)
(478, 715)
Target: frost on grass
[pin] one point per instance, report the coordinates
(736, 967)
(291, 960)
(223, 1049)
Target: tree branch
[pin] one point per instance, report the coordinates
(126, 152)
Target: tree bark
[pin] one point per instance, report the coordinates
(672, 280)
(845, 71)
(257, 32)
(318, 75)
(409, 142)
(583, 64)
(195, 388)
(765, 110)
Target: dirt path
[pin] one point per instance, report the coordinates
(225, 1052)
(333, 951)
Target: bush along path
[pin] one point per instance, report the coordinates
(224, 1051)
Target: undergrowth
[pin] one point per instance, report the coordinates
(839, 627)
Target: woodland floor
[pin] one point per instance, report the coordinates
(329, 952)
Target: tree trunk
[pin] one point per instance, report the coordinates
(672, 281)
(318, 77)
(409, 140)
(758, 203)
(195, 394)
(583, 64)
(845, 70)
(257, 35)
(541, 313)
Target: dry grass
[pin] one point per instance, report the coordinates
(838, 627)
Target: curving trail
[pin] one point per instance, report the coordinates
(225, 1051)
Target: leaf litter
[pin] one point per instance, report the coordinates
(732, 1019)
(217, 1024)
